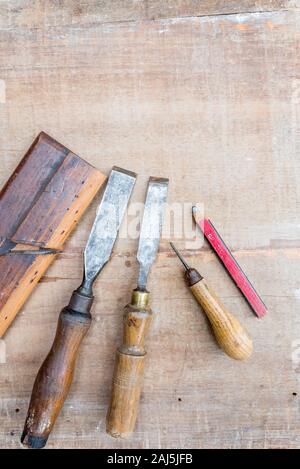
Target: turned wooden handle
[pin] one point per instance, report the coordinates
(129, 367)
(56, 373)
(230, 335)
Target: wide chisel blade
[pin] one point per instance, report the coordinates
(151, 227)
(108, 220)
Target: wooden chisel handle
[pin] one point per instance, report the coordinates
(230, 335)
(129, 367)
(56, 373)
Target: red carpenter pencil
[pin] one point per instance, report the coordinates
(231, 265)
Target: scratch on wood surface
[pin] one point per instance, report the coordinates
(47, 279)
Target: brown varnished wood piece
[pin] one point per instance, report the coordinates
(40, 205)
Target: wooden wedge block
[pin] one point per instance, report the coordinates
(40, 205)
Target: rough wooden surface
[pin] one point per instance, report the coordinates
(213, 104)
(41, 13)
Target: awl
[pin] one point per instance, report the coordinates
(129, 365)
(230, 335)
(56, 373)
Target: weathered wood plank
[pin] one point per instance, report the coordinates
(213, 104)
(45, 13)
(186, 375)
(179, 8)
(137, 91)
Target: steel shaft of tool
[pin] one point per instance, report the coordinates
(10, 247)
(180, 256)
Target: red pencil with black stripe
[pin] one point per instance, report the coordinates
(230, 263)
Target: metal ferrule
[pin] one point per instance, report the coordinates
(140, 299)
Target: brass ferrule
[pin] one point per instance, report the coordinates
(140, 299)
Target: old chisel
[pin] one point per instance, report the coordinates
(55, 375)
(130, 357)
(230, 335)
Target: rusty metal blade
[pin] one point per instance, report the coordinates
(108, 220)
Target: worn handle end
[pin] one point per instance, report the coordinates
(33, 442)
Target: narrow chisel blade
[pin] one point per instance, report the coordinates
(151, 227)
(108, 220)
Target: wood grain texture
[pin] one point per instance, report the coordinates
(180, 8)
(52, 13)
(213, 104)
